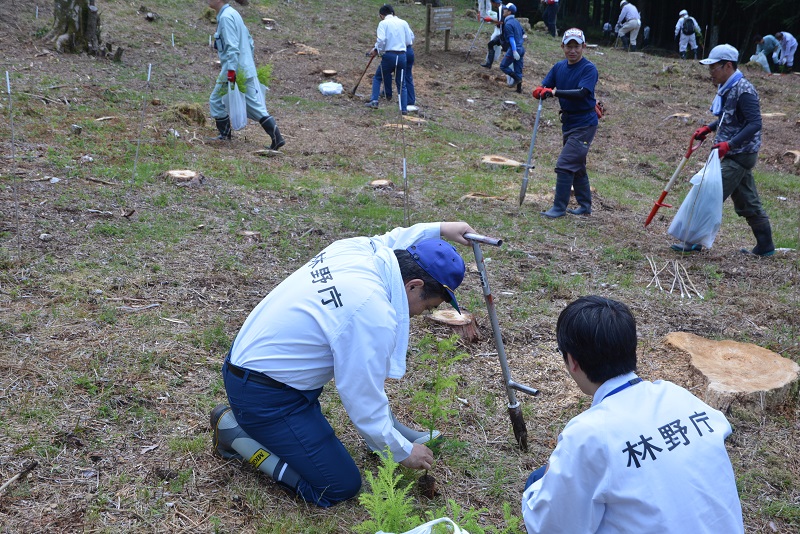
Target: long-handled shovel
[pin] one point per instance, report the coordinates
(473, 40)
(528, 165)
(353, 92)
(660, 202)
(514, 409)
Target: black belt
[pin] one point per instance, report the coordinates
(255, 376)
(395, 51)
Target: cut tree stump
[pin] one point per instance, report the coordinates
(739, 372)
(382, 184)
(328, 72)
(464, 324)
(499, 161)
(183, 177)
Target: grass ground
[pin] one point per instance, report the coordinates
(120, 291)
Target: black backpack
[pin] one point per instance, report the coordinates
(688, 26)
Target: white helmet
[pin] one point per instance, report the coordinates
(683, 13)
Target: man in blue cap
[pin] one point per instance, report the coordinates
(345, 315)
(512, 62)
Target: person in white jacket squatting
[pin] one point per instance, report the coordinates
(645, 457)
(343, 315)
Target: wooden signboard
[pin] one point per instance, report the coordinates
(439, 19)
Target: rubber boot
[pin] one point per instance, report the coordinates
(224, 127)
(762, 230)
(683, 55)
(519, 86)
(487, 64)
(561, 197)
(271, 127)
(231, 442)
(583, 194)
(633, 48)
(695, 53)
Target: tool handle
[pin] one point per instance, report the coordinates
(483, 239)
(692, 147)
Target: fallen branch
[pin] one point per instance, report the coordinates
(133, 309)
(30, 466)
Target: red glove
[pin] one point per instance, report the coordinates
(722, 147)
(542, 92)
(488, 19)
(701, 133)
(232, 76)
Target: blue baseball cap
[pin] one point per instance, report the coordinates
(442, 262)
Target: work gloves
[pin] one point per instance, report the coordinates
(723, 148)
(516, 55)
(488, 19)
(232, 76)
(542, 92)
(701, 133)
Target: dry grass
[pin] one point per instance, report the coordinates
(111, 397)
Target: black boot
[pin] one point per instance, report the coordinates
(519, 87)
(489, 58)
(695, 53)
(271, 127)
(633, 48)
(683, 55)
(762, 230)
(583, 194)
(224, 127)
(561, 197)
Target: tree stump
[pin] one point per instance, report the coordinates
(183, 177)
(464, 324)
(499, 161)
(76, 26)
(739, 372)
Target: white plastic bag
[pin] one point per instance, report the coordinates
(427, 528)
(700, 215)
(237, 109)
(761, 59)
(330, 88)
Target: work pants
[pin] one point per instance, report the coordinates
(290, 424)
(392, 63)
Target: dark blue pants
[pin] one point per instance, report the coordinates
(511, 66)
(392, 63)
(536, 475)
(290, 424)
(549, 18)
(409, 77)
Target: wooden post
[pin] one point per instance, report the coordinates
(428, 30)
(447, 40)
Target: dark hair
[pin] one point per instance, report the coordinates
(386, 9)
(410, 269)
(734, 64)
(599, 334)
(757, 38)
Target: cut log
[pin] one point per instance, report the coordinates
(499, 161)
(329, 72)
(463, 324)
(267, 21)
(415, 120)
(773, 115)
(740, 373)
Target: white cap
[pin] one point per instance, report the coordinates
(623, 3)
(511, 7)
(723, 52)
(573, 34)
(683, 12)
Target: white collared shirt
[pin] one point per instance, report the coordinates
(392, 35)
(648, 458)
(341, 315)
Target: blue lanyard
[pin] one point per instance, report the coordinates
(627, 384)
